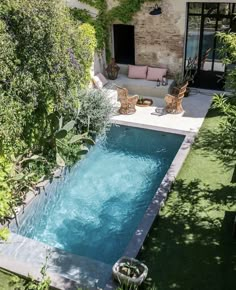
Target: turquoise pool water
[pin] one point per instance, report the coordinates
(97, 206)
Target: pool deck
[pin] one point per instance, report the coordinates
(189, 122)
(25, 256)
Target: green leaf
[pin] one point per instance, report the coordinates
(60, 161)
(80, 138)
(61, 134)
(75, 138)
(69, 126)
(89, 141)
(18, 177)
(32, 158)
(84, 150)
(54, 120)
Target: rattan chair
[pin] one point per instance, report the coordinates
(174, 100)
(127, 102)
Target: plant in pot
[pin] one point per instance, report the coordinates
(144, 102)
(129, 271)
(188, 76)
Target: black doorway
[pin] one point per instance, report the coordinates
(204, 21)
(124, 43)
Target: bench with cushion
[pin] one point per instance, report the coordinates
(137, 81)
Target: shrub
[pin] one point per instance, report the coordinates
(45, 60)
(95, 111)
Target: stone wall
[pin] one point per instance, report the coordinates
(159, 41)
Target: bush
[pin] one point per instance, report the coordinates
(95, 111)
(45, 59)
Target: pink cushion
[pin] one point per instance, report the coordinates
(137, 72)
(99, 80)
(156, 73)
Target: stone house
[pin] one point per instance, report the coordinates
(183, 31)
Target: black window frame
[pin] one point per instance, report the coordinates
(218, 15)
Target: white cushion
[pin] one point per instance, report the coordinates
(99, 80)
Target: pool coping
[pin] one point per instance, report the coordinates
(141, 232)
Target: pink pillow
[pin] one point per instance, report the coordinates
(99, 80)
(156, 73)
(137, 72)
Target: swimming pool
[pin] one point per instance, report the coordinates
(95, 208)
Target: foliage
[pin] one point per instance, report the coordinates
(189, 75)
(227, 51)
(98, 23)
(45, 59)
(227, 129)
(126, 10)
(227, 104)
(123, 12)
(31, 283)
(4, 234)
(49, 59)
(95, 111)
(62, 139)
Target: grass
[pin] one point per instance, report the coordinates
(6, 280)
(190, 246)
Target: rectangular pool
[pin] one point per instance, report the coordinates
(95, 208)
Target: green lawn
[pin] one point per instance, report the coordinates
(190, 246)
(6, 280)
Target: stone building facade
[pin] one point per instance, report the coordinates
(174, 36)
(160, 40)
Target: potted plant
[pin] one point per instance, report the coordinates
(189, 75)
(144, 102)
(129, 271)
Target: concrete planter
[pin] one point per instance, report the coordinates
(129, 271)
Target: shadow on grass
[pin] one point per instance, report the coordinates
(218, 140)
(190, 246)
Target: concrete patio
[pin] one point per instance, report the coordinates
(195, 106)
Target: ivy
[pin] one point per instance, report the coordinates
(126, 10)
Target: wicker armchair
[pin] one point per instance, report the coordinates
(174, 100)
(127, 102)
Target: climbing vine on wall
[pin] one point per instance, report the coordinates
(126, 10)
(123, 12)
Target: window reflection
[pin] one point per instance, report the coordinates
(193, 38)
(204, 20)
(195, 8)
(210, 8)
(225, 9)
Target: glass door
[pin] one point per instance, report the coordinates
(204, 20)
